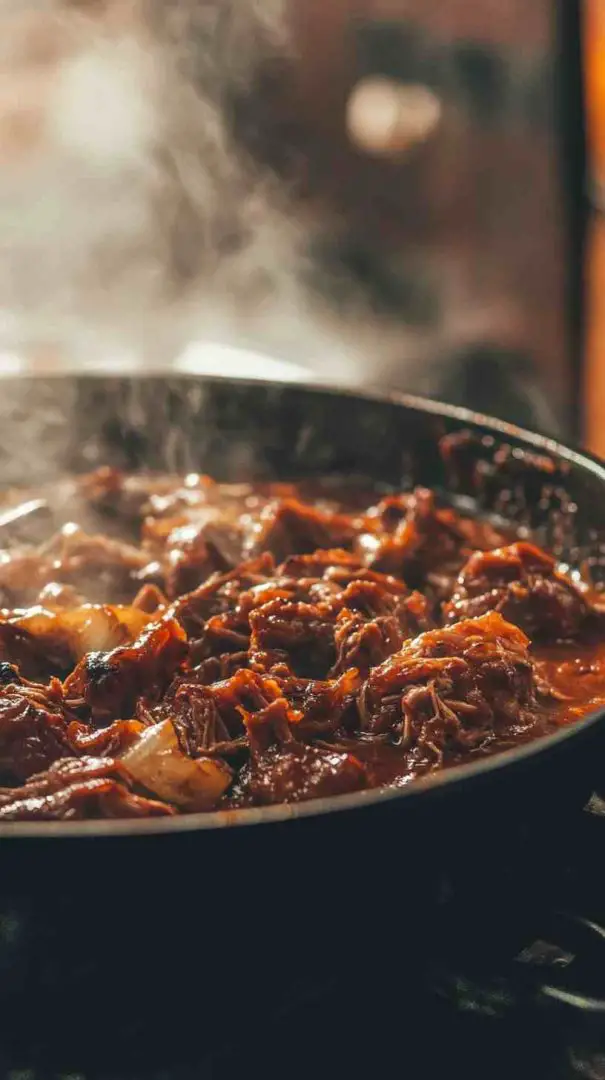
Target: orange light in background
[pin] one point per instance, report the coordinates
(594, 56)
(594, 376)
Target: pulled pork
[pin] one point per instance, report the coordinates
(524, 585)
(207, 646)
(453, 691)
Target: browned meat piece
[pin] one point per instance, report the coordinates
(448, 692)
(317, 626)
(324, 705)
(111, 682)
(374, 623)
(99, 567)
(362, 643)
(372, 594)
(208, 719)
(203, 539)
(75, 789)
(194, 531)
(216, 616)
(318, 564)
(417, 538)
(336, 581)
(116, 496)
(217, 668)
(33, 728)
(523, 584)
(220, 594)
(245, 692)
(284, 770)
(289, 527)
(210, 548)
(413, 538)
(195, 715)
(298, 635)
(357, 625)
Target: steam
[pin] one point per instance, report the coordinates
(131, 222)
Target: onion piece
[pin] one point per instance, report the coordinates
(89, 628)
(157, 762)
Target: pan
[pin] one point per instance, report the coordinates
(137, 938)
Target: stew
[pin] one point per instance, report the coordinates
(171, 645)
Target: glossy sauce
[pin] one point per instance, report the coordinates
(171, 645)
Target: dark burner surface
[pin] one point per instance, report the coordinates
(508, 985)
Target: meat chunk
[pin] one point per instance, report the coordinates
(414, 537)
(284, 770)
(196, 552)
(110, 683)
(356, 625)
(374, 620)
(33, 728)
(523, 584)
(324, 705)
(318, 564)
(298, 635)
(289, 527)
(220, 594)
(284, 616)
(77, 789)
(451, 691)
(99, 567)
(208, 719)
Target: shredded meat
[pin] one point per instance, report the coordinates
(191, 646)
(282, 769)
(454, 690)
(415, 537)
(523, 583)
(33, 728)
(288, 527)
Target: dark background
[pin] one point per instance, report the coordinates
(473, 242)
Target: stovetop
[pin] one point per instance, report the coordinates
(510, 985)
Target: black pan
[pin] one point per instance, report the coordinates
(150, 934)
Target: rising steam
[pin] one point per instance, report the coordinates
(130, 220)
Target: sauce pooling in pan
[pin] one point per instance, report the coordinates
(171, 645)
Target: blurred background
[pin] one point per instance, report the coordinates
(473, 240)
(447, 162)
